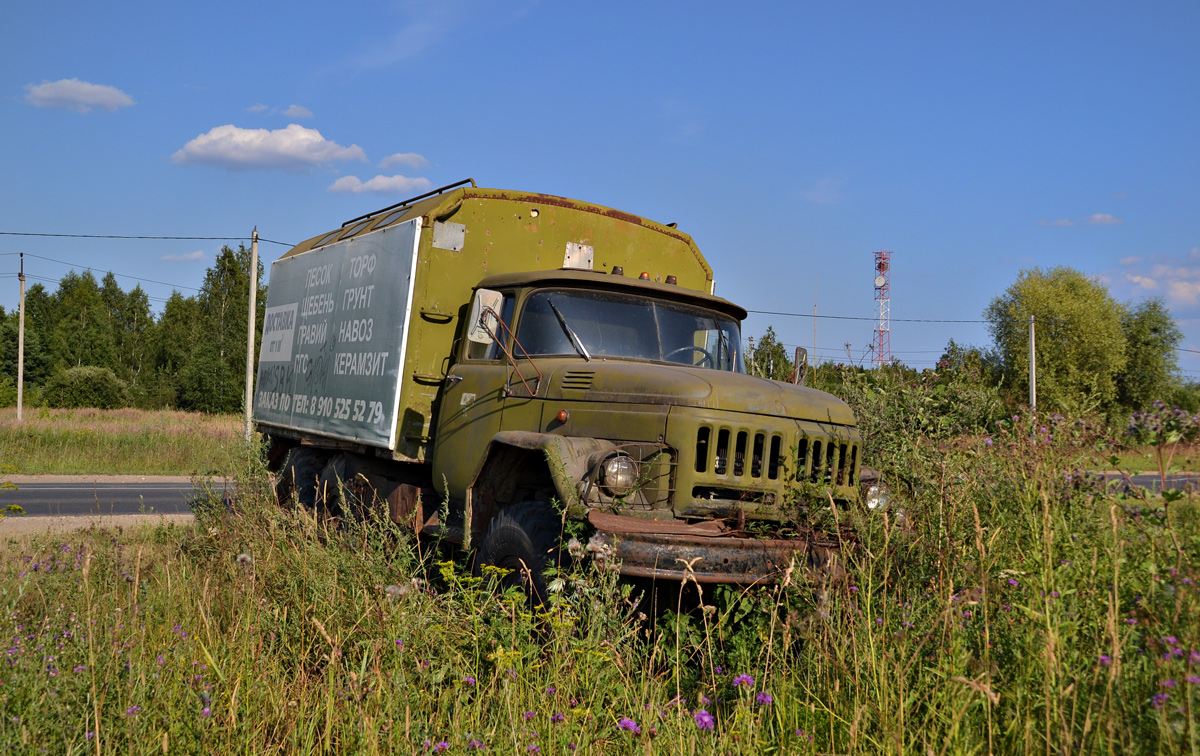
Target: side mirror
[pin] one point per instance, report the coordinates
(482, 322)
(801, 365)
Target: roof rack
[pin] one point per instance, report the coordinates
(411, 200)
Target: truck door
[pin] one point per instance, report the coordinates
(473, 397)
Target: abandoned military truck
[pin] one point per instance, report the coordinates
(484, 363)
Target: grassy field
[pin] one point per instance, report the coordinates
(1011, 609)
(117, 442)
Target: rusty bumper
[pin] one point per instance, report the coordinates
(708, 553)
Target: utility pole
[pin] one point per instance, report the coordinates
(814, 354)
(1032, 368)
(21, 346)
(251, 327)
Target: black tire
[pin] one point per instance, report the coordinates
(523, 539)
(299, 478)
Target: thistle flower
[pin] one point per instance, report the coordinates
(625, 723)
(468, 680)
(746, 680)
(244, 559)
(440, 746)
(704, 720)
(764, 699)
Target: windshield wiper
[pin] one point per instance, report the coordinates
(575, 341)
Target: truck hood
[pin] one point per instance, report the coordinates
(649, 383)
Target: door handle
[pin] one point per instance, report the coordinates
(452, 380)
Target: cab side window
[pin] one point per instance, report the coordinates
(492, 351)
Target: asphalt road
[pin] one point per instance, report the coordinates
(76, 499)
(62, 498)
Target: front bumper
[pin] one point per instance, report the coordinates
(709, 552)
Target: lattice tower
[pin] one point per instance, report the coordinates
(883, 308)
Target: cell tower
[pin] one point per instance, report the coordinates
(883, 308)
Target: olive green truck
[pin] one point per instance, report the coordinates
(484, 363)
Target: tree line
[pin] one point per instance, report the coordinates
(1094, 354)
(90, 343)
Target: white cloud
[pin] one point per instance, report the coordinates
(298, 111)
(189, 257)
(289, 149)
(1185, 292)
(259, 108)
(73, 94)
(1103, 219)
(1131, 260)
(1195, 252)
(827, 191)
(1142, 281)
(410, 159)
(379, 185)
(1063, 222)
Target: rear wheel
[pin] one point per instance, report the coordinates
(523, 539)
(298, 481)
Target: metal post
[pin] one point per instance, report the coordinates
(1032, 367)
(814, 354)
(21, 346)
(250, 329)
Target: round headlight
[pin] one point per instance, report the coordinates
(618, 475)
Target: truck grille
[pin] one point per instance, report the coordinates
(754, 457)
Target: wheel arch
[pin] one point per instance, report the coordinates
(519, 465)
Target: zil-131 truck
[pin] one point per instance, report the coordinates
(485, 364)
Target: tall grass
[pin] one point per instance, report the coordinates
(119, 442)
(1005, 606)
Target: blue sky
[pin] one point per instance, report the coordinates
(792, 140)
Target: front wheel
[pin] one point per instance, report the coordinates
(523, 539)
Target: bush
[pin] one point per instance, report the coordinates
(86, 387)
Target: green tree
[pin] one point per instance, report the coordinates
(1152, 368)
(82, 333)
(1080, 339)
(769, 358)
(223, 303)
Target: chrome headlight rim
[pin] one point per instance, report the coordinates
(618, 475)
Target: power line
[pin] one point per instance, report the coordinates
(122, 236)
(851, 317)
(122, 275)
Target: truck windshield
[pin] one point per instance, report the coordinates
(626, 326)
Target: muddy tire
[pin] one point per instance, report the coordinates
(523, 539)
(298, 481)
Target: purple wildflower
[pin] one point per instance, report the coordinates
(1106, 660)
(441, 746)
(1013, 581)
(529, 715)
(1168, 683)
(746, 680)
(551, 690)
(987, 441)
(133, 711)
(625, 723)
(704, 720)
(1159, 699)
(468, 680)
(535, 748)
(474, 745)
(206, 712)
(556, 718)
(81, 668)
(764, 698)
(1193, 680)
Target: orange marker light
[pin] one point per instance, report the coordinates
(562, 416)
(645, 276)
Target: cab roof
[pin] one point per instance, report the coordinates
(590, 279)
